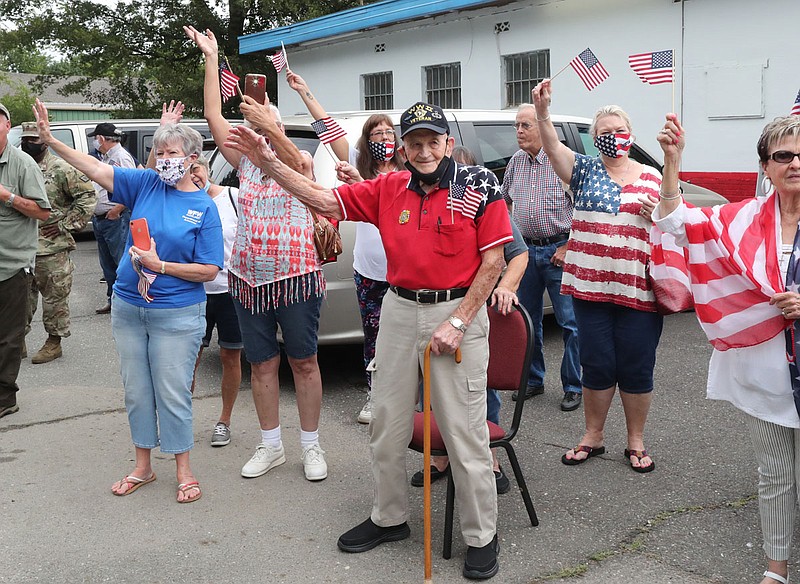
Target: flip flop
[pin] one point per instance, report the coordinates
(640, 454)
(590, 452)
(185, 487)
(133, 484)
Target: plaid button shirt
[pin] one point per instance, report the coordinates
(541, 207)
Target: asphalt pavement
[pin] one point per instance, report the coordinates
(694, 519)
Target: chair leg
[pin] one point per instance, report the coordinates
(523, 487)
(447, 547)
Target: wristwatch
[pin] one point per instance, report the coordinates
(10, 201)
(457, 323)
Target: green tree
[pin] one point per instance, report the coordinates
(140, 46)
(17, 98)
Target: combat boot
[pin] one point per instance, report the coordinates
(49, 351)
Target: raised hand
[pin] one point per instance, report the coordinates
(347, 173)
(671, 137)
(252, 145)
(42, 122)
(542, 95)
(172, 113)
(260, 116)
(207, 42)
(296, 82)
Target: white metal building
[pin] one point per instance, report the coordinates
(736, 64)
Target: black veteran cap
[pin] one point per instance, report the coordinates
(423, 116)
(105, 129)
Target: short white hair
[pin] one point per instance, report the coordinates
(609, 110)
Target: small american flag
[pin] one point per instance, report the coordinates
(796, 107)
(279, 60)
(328, 130)
(465, 199)
(228, 82)
(381, 150)
(146, 278)
(653, 68)
(589, 69)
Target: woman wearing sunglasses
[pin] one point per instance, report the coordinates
(744, 259)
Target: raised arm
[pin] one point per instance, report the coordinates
(255, 147)
(340, 147)
(212, 100)
(262, 117)
(102, 174)
(561, 157)
(672, 140)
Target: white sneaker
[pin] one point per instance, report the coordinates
(365, 415)
(314, 464)
(265, 458)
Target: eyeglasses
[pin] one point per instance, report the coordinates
(523, 125)
(380, 133)
(784, 156)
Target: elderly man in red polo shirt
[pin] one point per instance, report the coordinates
(443, 226)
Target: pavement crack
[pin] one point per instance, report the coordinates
(635, 541)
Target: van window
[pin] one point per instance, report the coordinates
(498, 143)
(64, 135)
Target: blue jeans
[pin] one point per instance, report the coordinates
(493, 406)
(541, 275)
(111, 238)
(157, 349)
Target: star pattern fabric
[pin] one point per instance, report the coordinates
(793, 332)
(471, 189)
(381, 151)
(600, 194)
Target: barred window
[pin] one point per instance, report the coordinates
(443, 85)
(522, 72)
(378, 91)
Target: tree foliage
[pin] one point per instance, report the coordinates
(140, 46)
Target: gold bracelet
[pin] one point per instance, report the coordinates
(669, 197)
(542, 119)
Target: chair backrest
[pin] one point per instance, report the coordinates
(510, 346)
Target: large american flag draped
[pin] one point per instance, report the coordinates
(228, 82)
(471, 188)
(732, 253)
(796, 107)
(589, 69)
(328, 130)
(653, 68)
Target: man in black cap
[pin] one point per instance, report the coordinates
(443, 226)
(110, 221)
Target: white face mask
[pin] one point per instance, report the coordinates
(96, 144)
(171, 170)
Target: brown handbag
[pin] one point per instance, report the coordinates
(327, 239)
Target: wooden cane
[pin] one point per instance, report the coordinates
(426, 456)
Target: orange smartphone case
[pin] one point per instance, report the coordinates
(140, 234)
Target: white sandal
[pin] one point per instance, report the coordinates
(776, 577)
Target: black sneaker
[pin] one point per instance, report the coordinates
(418, 478)
(571, 401)
(481, 562)
(530, 391)
(367, 535)
(502, 482)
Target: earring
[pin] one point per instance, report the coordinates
(766, 186)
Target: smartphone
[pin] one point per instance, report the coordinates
(140, 234)
(255, 86)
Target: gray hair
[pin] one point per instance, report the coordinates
(609, 110)
(525, 106)
(776, 131)
(190, 139)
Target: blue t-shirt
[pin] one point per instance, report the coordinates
(186, 228)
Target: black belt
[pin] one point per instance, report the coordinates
(101, 215)
(547, 240)
(429, 296)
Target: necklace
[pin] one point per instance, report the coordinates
(620, 178)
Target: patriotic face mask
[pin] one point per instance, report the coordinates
(171, 170)
(614, 145)
(381, 151)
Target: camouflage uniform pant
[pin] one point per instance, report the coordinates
(53, 279)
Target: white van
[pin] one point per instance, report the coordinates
(489, 134)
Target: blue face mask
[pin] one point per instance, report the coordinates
(207, 186)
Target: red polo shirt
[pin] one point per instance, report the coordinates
(433, 240)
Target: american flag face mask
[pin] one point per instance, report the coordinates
(792, 336)
(381, 151)
(614, 145)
